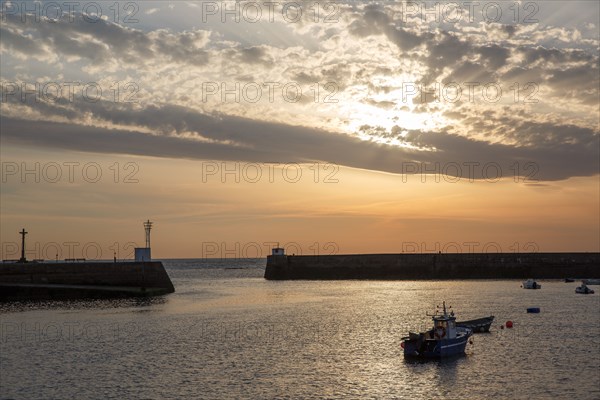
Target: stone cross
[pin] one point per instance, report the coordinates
(23, 233)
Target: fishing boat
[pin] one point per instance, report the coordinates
(531, 284)
(445, 339)
(478, 325)
(583, 289)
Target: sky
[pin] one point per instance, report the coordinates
(322, 127)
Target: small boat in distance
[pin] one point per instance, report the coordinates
(478, 325)
(569, 279)
(591, 281)
(444, 340)
(531, 284)
(583, 289)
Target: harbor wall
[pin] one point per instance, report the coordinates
(435, 266)
(82, 279)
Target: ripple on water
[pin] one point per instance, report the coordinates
(234, 335)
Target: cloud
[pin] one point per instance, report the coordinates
(368, 54)
(444, 52)
(251, 55)
(493, 55)
(559, 151)
(375, 21)
(18, 42)
(102, 41)
(470, 72)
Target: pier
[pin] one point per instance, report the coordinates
(74, 280)
(22, 280)
(434, 266)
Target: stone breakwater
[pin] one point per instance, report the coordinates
(435, 266)
(70, 280)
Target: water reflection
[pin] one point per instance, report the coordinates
(231, 334)
(83, 304)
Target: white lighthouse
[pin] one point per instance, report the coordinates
(143, 253)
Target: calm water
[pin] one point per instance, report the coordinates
(228, 333)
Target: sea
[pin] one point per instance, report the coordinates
(227, 333)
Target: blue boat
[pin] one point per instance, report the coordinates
(445, 339)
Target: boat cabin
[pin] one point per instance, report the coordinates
(444, 327)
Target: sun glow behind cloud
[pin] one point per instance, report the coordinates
(380, 119)
(394, 105)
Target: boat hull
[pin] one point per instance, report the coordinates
(591, 281)
(531, 284)
(478, 325)
(431, 348)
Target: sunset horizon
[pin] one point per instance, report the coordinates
(406, 122)
(299, 199)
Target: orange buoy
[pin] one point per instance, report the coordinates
(509, 324)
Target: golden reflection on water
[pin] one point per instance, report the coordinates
(236, 335)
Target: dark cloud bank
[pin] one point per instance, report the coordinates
(566, 151)
(559, 150)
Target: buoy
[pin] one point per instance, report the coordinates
(509, 324)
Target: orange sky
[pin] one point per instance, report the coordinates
(363, 212)
(373, 90)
